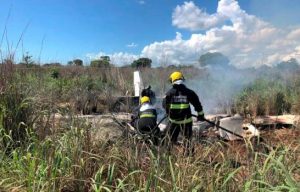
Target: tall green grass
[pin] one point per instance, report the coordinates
(37, 153)
(70, 161)
(269, 97)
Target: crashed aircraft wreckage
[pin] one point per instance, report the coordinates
(230, 128)
(226, 127)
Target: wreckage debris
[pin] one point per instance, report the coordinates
(279, 121)
(236, 124)
(227, 127)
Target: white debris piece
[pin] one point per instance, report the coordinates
(162, 127)
(279, 119)
(236, 125)
(137, 81)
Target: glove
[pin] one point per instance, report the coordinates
(133, 118)
(201, 117)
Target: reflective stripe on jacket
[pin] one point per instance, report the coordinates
(147, 111)
(177, 104)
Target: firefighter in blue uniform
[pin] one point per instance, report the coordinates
(177, 105)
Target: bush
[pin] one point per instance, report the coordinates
(264, 97)
(16, 118)
(54, 73)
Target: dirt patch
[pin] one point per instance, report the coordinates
(106, 127)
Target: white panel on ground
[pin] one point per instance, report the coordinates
(137, 81)
(236, 124)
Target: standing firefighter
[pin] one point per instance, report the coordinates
(145, 118)
(177, 105)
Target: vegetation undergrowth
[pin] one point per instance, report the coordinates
(70, 162)
(40, 153)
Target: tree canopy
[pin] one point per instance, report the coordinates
(213, 59)
(105, 58)
(141, 63)
(27, 60)
(291, 64)
(104, 62)
(76, 62)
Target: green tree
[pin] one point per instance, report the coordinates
(55, 64)
(141, 63)
(55, 73)
(291, 64)
(77, 62)
(213, 59)
(27, 60)
(99, 63)
(104, 61)
(105, 58)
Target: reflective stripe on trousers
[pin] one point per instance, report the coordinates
(201, 113)
(188, 120)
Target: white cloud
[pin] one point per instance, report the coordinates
(245, 39)
(295, 34)
(295, 54)
(189, 16)
(141, 2)
(120, 58)
(132, 45)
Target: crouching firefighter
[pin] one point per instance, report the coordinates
(177, 105)
(145, 117)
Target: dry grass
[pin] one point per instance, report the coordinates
(63, 156)
(72, 161)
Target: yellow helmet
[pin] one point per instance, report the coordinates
(145, 99)
(176, 76)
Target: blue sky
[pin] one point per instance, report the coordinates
(77, 28)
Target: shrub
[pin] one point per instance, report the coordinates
(264, 97)
(16, 118)
(54, 73)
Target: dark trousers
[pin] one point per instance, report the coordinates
(149, 127)
(187, 132)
